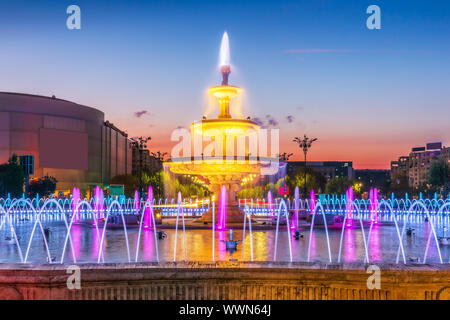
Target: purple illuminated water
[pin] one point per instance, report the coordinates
(137, 204)
(349, 206)
(99, 206)
(312, 202)
(374, 205)
(382, 248)
(75, 201)
(294, 222)
(222, 219)
(147, 212)
(270, 203)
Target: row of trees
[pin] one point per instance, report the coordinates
(12, 181)
(314, 181)
(163, 185)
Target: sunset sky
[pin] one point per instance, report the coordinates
(307, 66)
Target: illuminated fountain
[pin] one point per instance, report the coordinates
(222, 220)
(217, 164)
(147, 212)
(76, 198)
(99, 206)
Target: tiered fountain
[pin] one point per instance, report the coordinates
(224, 170)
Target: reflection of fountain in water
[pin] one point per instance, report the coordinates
(294, 223)
(222, 219)
(312, 242)
(180, 211)
(247, 215)
(350, 246)
(16, 211)
(148, 246)
(374, 248)
(221, 245)
(147, 213)
(286, 215)
(76, 232)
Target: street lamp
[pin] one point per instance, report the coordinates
(140, 144)
(304, 144)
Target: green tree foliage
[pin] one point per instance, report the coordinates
(251, 192)
(130, 183)
(173, 185)
(12, 178)
(338, 185)
(400, 184)
(314, 180)
(439, 174)
(156, 180)
(43, 187)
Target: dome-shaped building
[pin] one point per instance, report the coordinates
(69, 141)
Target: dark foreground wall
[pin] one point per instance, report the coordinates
(224, 280)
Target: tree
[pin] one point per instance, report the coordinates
(12, 178)
(44, 186)
(439, 173)
(338, 185)
(400, 184)
(314, 180)
(130, 183)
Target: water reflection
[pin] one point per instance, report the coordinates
(383, 244)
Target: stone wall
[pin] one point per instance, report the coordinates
(225, 280)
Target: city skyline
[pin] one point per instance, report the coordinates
(361, 92)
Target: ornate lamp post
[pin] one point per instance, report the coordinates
(140, 144)
(304, 144)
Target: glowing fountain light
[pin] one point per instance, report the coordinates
(294, 223)
(224, 168)
(374, 205)
(225, 58)
(147, 211)
(98, 204)
(75, 201)
(349, 205)
(270, 203)
(137, 204)
(312, 205)
(221, 223)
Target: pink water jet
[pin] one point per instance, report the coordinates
(349, 206)
(148, 223)
(222, 219)
(270, 203)
(312, 204)
(75, 201)
(374, 205)
(294, 223)
(98, 204)
(137, 204)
